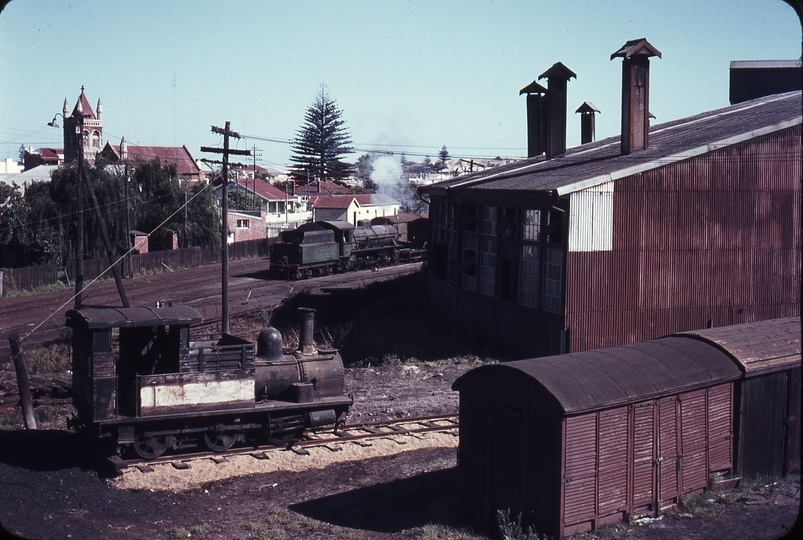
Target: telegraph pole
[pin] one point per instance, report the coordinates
(79, 229)
(256, 153)
(227, 133)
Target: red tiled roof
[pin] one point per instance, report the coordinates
(179, 155)
(262, 188)
(49, 154)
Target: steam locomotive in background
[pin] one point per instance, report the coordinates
(324, 247)
(140, 381)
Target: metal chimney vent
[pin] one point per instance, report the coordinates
(635, 93)
(587, 121)
(557, 76)
(536, 113)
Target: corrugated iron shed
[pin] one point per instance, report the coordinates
(595, 163)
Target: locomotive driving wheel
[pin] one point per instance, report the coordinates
(219, 442)
(152, 447)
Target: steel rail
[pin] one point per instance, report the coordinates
(374, 431)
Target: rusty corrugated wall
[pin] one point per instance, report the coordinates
(713, 240)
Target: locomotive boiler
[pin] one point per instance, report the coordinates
(141, 382)
(325, 247)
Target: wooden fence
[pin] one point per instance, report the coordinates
(31, 277)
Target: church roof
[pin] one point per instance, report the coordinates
(179, 155)
(85, 107)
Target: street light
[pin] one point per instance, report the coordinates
(79, 232)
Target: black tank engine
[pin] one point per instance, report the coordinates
(140, 381)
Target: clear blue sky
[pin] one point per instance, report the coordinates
(418, 74)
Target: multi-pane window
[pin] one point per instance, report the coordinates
(489, 217)
(529, 275)
(532, 225)
(487, 266)
(242, 223)
(553, 280)
(470, 263)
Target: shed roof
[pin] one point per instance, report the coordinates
(619, 375)
(599, 162)
(122, 317)
(760, 346)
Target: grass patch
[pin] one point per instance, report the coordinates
(434, 531)
(286, 525)
(55, 358)
(195, 531)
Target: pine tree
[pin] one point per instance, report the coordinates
(321, 142)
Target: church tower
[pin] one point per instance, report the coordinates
(83, 127)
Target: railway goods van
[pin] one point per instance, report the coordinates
(583, 439)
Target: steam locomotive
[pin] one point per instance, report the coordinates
(141, 382)
(325, 247)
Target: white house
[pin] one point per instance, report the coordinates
(353, 208)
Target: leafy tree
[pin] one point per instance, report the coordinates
(40, 226)
(321, 142)
(364, 167)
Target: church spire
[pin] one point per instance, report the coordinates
(99, 110)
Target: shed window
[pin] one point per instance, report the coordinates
(532, 225)
(553, 280)
(529, 275)
(470, 263)
(489, 217)
(507, 223)
(242, 223)
(470, 218)
(487, 266)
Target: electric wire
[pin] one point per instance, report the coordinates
(109, 267)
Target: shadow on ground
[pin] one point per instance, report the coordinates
(429, 498)
(49, 450)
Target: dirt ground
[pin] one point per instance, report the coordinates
(50, 487)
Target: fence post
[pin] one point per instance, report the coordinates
(22, 382)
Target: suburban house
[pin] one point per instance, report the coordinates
(246, 225)
(185, 164)
(280, 211)
(43, 156)
(353, 208)
(689, 224)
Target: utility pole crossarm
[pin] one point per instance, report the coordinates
(214, 150)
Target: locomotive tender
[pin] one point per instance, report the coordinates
(324, 247)
(141, 382)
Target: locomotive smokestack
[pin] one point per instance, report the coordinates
(635, 93)
(305, 343)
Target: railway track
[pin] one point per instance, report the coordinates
(361, 434)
